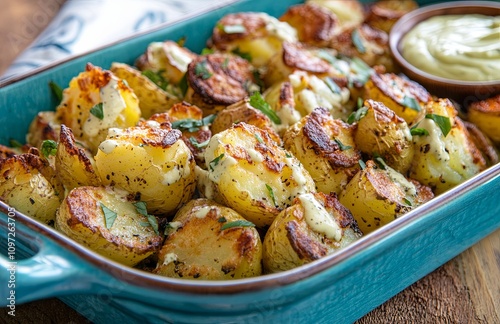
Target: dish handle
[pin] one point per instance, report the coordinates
(48, 271)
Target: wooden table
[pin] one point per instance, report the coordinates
(464, 290)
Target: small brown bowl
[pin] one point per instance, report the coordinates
(463, 92)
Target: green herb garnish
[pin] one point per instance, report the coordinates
(407, 202)
(222, 219)
(258, 102)
(157, 78)
(97, 111)
(411, 103)
(332, 85)
(141, 208)
(361, 69)
(109, 216)
(215, 161)
(258, 138)
(244, 55)
(362, 164)
(225, 64)
(193, 125)
(238, 223)
(56, 90)
(201, 70)
(271, 194)
(183, 85)
(380, 162)
(356, 40)
(414, 131)
(324, 55)
(442, 121)
(359, 102)
(342, 147)
(206, 51)
(49, 147)
(14, 143)
(198, 145)
(356, 116)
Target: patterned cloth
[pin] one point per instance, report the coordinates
(83, 25)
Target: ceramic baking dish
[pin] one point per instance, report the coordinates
(339, 288)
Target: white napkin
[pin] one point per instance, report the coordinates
(82, 25)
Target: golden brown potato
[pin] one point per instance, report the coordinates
(74, 165)
(315, 25)
(382, 133)
(315, 226)
(445, 156)
(152, 98)
(255, 36)
(485, 114)
(43, 127)
(153, 164)
(483, 143)
(106, 221)
(7, 152)
(280, 98)
(218, 80)
(95, 101)
(240, 112)
(168, 59)
(349, 12)
(369, 44)
(379, 194)
(383, 14)
(199, 246)
(25, 185)
(252, 174)
(326, 148)
(405, 97)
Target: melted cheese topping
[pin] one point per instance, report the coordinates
(318, 218)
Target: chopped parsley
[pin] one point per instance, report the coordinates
(356, 40)
(222, 219)
(332, 85)
(415, 131)
(97, 111)
(207, 50)
(362, 164)
(202, 71)
(407, 202)
(243, 55)
(341, 145)
(109, 216)
(157, 78)
(258, 138)
(356, 116)
(411, 103)
(271, 194)
(198, 145)
(192, 125)
(49, 147)
(258, 102)
(443, 122)
(237, 223)
(324, 55)
(56, 90)
(215, 161)
(141, 208)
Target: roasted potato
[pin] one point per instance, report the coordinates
(153, 164)
(379, 194)
(485, 114)
(314, 226)
(349, 12)
(168, 59)
(152, 98)
(26, 185)
(382, 133)
(105, 220)
(199, 246)
(444, 153)
(405, 97)
(252, 174)
(7, 152)
(95, 101)
(75, 166)
(254, 36)
(383, 14)
(483, 143)
(326, 148)
(280, 98)
(43, 127)
(217, 80)
(315, 24)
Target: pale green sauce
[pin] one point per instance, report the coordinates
(458, 47)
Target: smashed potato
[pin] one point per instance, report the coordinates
(486, 115)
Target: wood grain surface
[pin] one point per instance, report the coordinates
(464, 290)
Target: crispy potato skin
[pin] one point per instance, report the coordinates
(483, 143)
(127, 241)
(219, 80)
(315, 142)
(485, 114)
(315, 25)
(381, 132)
(252, 174)
(151, 163)
(198, 248)
(43, 127)
(350, 13)
(291, 241)
(392, 90)
(375, 196)
(383, 14)
(152, 98)
(74, 166)
(25, 185)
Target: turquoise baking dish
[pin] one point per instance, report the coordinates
(339, 288)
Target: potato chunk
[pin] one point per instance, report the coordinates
(199, 246)
(326, 148)
(379, 194)
(383, 14)
(151, 163)
(485, 114)
(106, 221)
(95, 101)
(349, 12)
(252, 174)
(44, 126)
(315, 226)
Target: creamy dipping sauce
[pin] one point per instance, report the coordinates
(458, 47)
